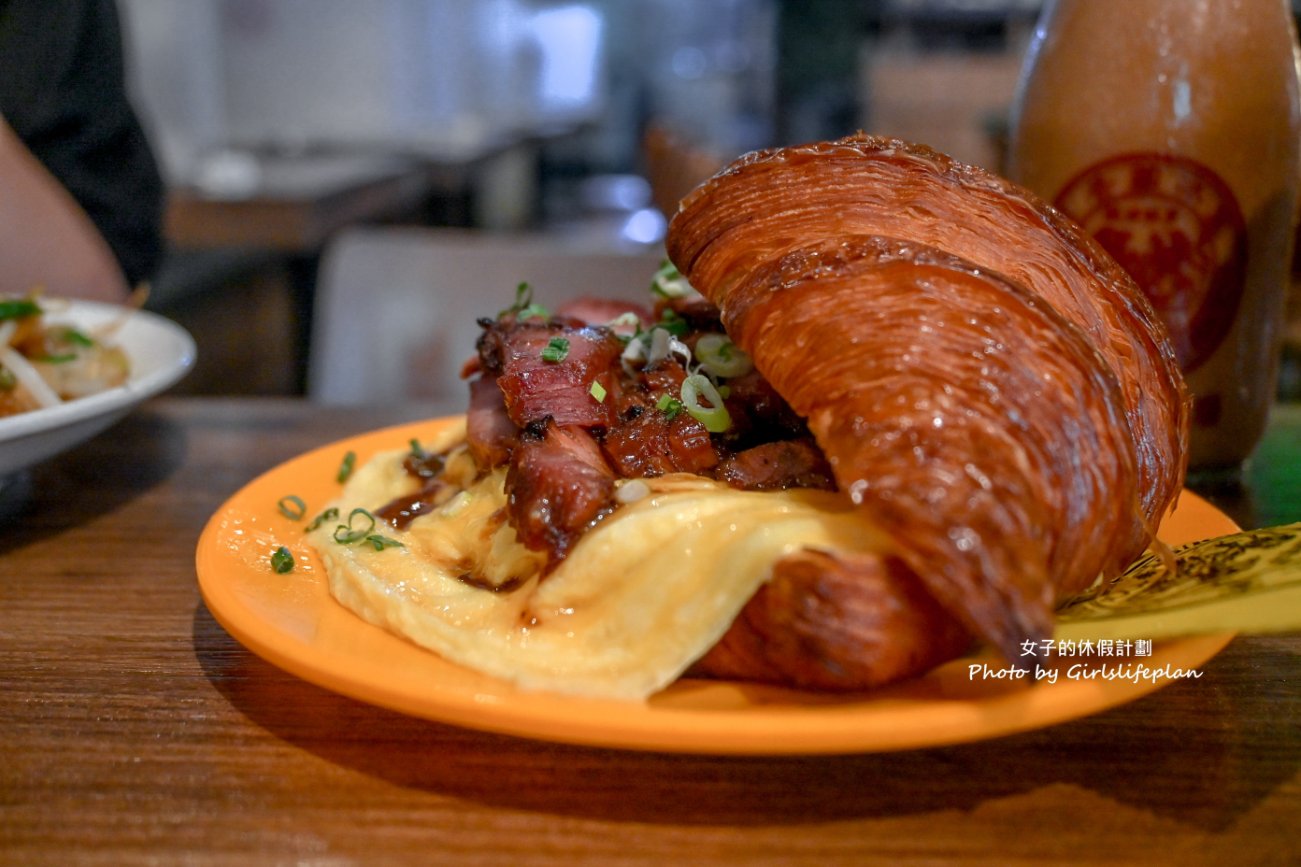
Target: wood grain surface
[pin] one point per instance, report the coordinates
(133, 729)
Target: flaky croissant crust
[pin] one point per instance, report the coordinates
(772, 201)
(987, 384)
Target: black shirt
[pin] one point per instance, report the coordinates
(63, 91)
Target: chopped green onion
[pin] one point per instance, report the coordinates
(417, 451)
(328, 515)
(721, 357)
(714, 417)
(669, 282)
(379, 543)
(72, 341)
(524, 307)
(669, 405)
(346, 467)
(292, 507)
(8, 382)
(597, 391)
(358, 529)
(555, 350)
(672, 323)
(347, 534)
(17, 308)
(626, 319)
(74, 336)
(282, 561)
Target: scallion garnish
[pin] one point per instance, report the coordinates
(379, 543)
(627, 319)
(62, 358)
(282, 561)
(417, 451)
(18, 308)
(346, 467)
(669, 282)
(714, 417)
(360, 524)
(721, 357)
(524, 307)
(597, 391)
(76, 337)
(358, 529)
(8, 382)
(328, 515)
(555, 350)
(673, 323)
(292, 507)
(669, 405)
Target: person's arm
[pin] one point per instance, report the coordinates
(46, 239)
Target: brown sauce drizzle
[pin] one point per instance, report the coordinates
(478, 582)
(424, 465)
(402, 511)
(427, 467)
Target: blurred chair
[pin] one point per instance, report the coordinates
(396, 307)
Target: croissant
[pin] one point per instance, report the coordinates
(951, 410)
(987, 385)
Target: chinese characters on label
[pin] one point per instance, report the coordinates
(1101, 647)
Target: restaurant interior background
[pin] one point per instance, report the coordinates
(294, 134)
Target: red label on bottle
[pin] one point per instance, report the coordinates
(1176, 227)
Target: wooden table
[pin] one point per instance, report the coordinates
(134, 729)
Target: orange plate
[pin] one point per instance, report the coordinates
(293, 622)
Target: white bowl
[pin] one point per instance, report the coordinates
(160, 353)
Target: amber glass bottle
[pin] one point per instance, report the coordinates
(1171, 130)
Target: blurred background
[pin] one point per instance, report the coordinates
(283, 126)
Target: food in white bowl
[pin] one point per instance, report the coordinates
(45, 360)
(141, 354)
